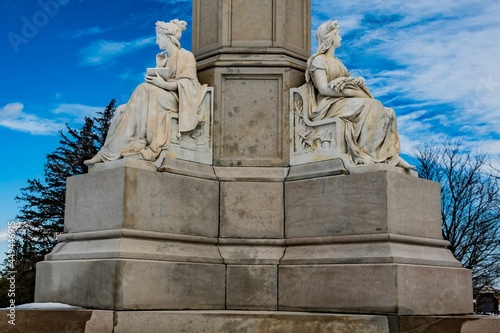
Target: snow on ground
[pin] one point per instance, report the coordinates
(39, 306)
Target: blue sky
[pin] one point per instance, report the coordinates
(434, 62)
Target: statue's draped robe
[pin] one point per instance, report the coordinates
(371, 132)
(142, 125)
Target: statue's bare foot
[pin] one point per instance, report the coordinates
(364, 161)
(403, 164)
(93, 160)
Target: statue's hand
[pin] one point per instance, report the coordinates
(156, 80)
(161, 59)
(338, 84)
(360, 81)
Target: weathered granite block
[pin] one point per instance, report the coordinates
(252, 287)
(142, 200)
(249, 321)
(251, 210)
(134, 244)
(45, 320)
(131, 284)
(377, 202)
(364, 249)
(250, 112)
(251, 25)
(375, 288)
(146, 239)
(246, 251)
(449, 324)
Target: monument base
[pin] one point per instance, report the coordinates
(197, 237)
(96, 321)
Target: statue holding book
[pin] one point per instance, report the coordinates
(141, 128)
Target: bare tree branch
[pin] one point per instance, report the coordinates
(470, 205)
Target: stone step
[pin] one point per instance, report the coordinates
(98, 321)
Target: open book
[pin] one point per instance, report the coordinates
(164, 72)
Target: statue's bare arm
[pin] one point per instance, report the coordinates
(321, 82)
(160, 82)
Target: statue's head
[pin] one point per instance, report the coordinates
(326, 35)
(172, 30)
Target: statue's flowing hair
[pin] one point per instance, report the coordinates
(324, 36)
(172, 30)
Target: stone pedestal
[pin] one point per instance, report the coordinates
(134, 240)
(253, 238)
(368, 243)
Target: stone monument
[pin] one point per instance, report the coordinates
(270, 197)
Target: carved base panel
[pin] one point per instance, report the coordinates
(196, 145)
(251, 113)
(314, 141)
(323, 141)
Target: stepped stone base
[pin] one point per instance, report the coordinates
(94, 321)
(198, 237)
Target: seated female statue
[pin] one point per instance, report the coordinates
(141, 127)
(371, 132)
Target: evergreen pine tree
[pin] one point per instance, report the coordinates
(42, 215)
(103, 121)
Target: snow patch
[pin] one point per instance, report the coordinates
(37, 306)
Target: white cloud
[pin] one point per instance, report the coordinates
(13, 117)
(75, 34)
(103, 51)
(77, 110)
(4, 235)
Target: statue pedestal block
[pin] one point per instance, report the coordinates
(375, 288)
(135, 241)
(251, 111)
(368, 243)
(254, 238)
(125, 284)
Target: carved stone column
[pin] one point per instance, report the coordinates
(252, 52)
